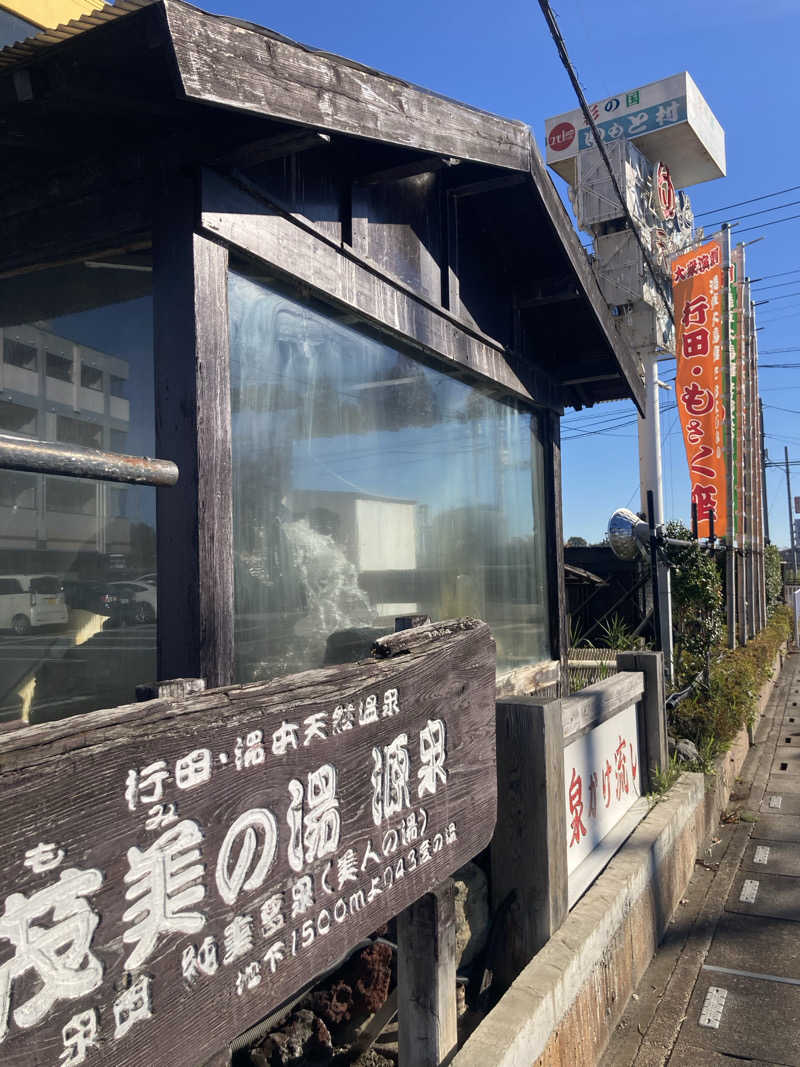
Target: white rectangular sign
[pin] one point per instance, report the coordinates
(602, 778)
(667, 120)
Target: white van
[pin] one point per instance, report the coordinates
(28, 600)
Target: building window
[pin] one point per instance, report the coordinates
(18, 354)
(17, 418)
(77, 432)
(91, 378)
(18, 491)
(59, 367)
(70, 496)
(118, 386)
(119, 441)
(368, 485)
(87, 538)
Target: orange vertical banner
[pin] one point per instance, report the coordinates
(697, 295)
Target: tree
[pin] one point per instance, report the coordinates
(576, 542)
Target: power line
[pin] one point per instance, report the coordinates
(777, 285)
(781, 274)
(763, 225)
(743, 203)
(782, 296)
(561, 47)
(764, 211)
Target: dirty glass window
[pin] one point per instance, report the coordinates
(75, 633)
(367, 485)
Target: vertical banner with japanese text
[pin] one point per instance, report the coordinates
(697, 285)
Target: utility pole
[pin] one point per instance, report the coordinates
(649, 428)
(791, 521)
(730, 536)
(764, 472)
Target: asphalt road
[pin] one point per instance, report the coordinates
(100, 671)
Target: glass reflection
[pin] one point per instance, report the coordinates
(366, 486)
(77, 557)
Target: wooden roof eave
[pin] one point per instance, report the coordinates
(232, 64)
(235, 65)
(618, 349)
(222, 62)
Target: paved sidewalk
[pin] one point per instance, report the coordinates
(724, 986)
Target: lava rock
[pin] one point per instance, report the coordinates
(303, 1037)
(358, 989)
(472, 913)
(687, 751)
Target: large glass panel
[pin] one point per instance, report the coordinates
(368, 485)
(77, 557)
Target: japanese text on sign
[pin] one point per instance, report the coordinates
(244, 856)
(699, 386)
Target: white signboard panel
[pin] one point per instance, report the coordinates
(602, 779)
(668, 120)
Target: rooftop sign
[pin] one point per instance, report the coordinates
(667, 120)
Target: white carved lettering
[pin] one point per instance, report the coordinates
(79, 1035)
(162, 884)
(244, 835)
(432, 753)
(132, 1005)
(58, 954)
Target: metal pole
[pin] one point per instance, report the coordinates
(650, 482)
(791, 522)
(657, 629)
(764, 472)
(730, 531)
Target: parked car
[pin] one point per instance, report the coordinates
(143, 599)
(29, 600)
(101, 598)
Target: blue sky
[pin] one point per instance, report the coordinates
(743, 56)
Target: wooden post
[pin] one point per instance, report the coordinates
(529, 848)
(172, 689)
(546, 429)
(426, 979)
(193, 428)
(653, 718)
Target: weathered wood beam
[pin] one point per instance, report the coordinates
(546, 429)
(423, 165)
(262, 151)
(529, 847)
(618, 349)
(193, 427)
(488, 185)
(236, 216)
(598, 702)
(226, 63)
(426, 979)
(114, 218)
(591, 378)
(552, 298)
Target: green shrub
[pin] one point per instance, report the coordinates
(773, 577)
(696, 605)
(714, 714)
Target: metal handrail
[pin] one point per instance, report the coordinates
(48, 457)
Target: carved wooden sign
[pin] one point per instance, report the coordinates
(172, 871)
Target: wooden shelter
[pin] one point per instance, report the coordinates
(232, 251)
